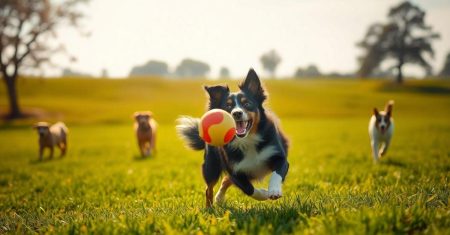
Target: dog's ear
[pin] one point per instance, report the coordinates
(148, 114)
(217, 95)
(252, 85)
(388, 108)
(136, 115)
(376, 113)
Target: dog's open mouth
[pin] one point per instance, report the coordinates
(243, 127)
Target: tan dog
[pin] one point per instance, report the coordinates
(51, 136)
(145, 128)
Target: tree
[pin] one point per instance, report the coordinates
(405, 38)
(310, 71)
(104, 73)
(224, 72)
(270, 61)
(192, 68)
(67, 72)
(445, 72)
(25, 29)
(153, 67)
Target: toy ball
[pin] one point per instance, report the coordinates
(217, 127)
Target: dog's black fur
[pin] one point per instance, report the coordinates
(249, 102)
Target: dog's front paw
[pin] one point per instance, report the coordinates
(275, 193)
(275, 186)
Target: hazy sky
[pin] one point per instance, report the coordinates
(234, 33)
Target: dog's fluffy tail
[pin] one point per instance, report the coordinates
(62, 126)
(187, 129)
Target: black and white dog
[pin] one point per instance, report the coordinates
(258, 149)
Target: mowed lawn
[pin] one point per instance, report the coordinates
(104, 186)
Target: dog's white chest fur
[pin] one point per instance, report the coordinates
(254, 162)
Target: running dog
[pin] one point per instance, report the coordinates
(259, 147)
(381, 128)
(145, 127)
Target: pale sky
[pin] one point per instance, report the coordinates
(235, 33)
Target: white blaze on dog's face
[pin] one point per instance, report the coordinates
(244, 112)
(244, 106)
(383, 120)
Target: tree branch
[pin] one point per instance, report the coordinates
(2, 66)
(17, 41)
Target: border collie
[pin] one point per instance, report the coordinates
(259, 147)
(381, 128)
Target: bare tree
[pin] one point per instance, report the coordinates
(405, 38)
(25, 27)
(270, 61)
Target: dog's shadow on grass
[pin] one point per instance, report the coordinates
(393, 162)
(140, 158)
(285, 217)
(36, 161)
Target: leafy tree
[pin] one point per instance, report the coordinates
(192, 68)
(405, 38)
(224, 72)
(152, 67)
(25, 29)
(270, 61)
(445, 72)
(67, 72)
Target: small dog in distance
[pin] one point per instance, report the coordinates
(381, 128)
(51, 136)
(145, 128)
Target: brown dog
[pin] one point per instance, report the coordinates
(51, 136)
(145, 128)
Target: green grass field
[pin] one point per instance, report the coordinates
(104, 186)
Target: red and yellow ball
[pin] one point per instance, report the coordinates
(217, 127)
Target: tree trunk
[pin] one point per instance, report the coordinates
(401, 61)
(14, 109)
(399, 73)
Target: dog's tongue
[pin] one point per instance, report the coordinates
(241, 128)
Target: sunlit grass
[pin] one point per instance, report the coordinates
(103, 185)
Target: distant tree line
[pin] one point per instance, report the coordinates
(404, 39)
(186, 68)
(67, 72)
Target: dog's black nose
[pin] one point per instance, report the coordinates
(237, 114)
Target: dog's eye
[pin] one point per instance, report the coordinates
(247, 105)
(229, 106)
